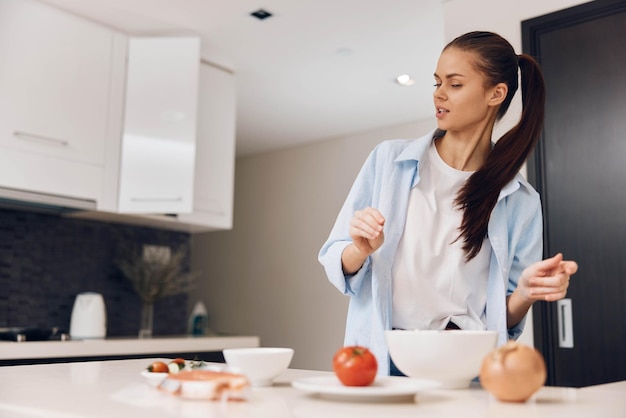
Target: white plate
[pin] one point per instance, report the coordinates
(383, 388)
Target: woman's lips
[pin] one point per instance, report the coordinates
(441, 112)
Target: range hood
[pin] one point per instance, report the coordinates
(85, 209)
(42, 202)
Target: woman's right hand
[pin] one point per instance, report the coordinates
(366, 230)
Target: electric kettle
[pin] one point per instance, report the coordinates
(88, 316)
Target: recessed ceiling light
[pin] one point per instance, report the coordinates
(261, 14)
(405, 80)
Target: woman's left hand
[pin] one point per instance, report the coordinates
(547, 279)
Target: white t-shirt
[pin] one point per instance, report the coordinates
(432, 282)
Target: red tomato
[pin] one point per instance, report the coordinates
(355, 366)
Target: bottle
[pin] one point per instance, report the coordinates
(198, 320)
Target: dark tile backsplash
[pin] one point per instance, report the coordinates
(47, 259)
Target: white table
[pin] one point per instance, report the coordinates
(117, 389)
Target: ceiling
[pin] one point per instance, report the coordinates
(314, 70)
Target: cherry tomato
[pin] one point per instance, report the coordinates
(355, 366)
(158, 367)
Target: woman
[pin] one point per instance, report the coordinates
(442, 232)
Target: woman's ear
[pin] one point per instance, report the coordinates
(498, 94)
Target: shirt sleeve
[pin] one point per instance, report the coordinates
(359, 197)
(529, 249)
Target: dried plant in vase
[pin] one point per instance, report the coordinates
(154, 272)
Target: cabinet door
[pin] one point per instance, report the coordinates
(215, 151)
(158, 142)
(54, 79)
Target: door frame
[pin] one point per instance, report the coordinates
(545, 332)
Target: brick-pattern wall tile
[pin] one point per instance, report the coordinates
(47, 259)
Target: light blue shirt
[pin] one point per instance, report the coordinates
(515, 234)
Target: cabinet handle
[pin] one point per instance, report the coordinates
(565, 325)
(156, 199)
(30, 137)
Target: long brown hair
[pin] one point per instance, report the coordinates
(498, 62)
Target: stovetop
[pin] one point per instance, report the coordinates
(22, 334)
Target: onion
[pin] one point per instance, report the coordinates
(513, 372)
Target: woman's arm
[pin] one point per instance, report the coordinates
(544, 280)
(348, 277)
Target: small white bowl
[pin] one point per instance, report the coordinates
(452, 358)
(154, 378)
(261, 365)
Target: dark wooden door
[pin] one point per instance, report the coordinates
(579, 168)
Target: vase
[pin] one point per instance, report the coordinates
(145, 325)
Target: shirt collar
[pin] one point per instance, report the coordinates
(416, 149)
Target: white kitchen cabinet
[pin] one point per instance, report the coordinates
(131, 127)
(55, 79)
(159, 133)
(215, 151)
(214, 165)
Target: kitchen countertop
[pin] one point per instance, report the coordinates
(116, 388)
(11, 350)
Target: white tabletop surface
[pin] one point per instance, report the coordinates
(117, 389)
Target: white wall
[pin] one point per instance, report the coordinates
(263, 277)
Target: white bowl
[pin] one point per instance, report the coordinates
(261, 365)
(452, 358)
(153, 378)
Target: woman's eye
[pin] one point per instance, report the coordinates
(437, 85)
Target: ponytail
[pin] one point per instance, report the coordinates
(479, 194)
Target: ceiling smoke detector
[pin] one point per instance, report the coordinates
(261, 14)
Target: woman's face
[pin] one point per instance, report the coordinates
(462, 100)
